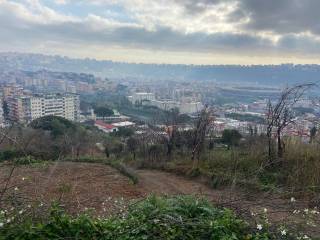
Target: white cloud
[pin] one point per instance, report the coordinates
(33, 12)
(61, 2)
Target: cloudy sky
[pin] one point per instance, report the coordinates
(165, 31)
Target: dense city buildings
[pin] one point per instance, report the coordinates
(235, 106)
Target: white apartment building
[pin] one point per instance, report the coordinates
(184, 107)
(25, 109)
(138, 97)
(71, 107)
(35, 107)
(190, 107)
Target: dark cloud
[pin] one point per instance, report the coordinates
(281, 16)
(299, 44)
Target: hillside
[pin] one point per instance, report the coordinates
(79, 187)
(266, 75)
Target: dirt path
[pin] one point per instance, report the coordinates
(79, 184)
(158, 182)
(244, 203)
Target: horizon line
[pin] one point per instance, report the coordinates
(143, 63)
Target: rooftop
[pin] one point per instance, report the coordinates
(104, 125)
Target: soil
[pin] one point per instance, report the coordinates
(79, 186)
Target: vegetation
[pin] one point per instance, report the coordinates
(50, 138)
(103, 112)
(244, 163)
(56, 125)
(153, 218)
(231, 137)
(123, 132)
(269, 161)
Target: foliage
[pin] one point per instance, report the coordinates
(132, 145)
(103, 111)
(117, 148)
(313, 133)
(51, 138)
(123, 132)
(10, 154)
(154, 218)
(56, 125)
(25, 160)
(231, 137)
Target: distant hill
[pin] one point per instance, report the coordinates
(267, 75)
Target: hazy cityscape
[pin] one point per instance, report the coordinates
(28, 95)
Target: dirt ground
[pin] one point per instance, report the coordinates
(79, 186)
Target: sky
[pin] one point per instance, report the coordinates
(165, 31)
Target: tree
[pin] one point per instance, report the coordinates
(171, 122)
(154, 153)
(56, 125)
(204, 120)
(231, 137)
(132, 145)
(103, 112)
(313, 133)
(280, 115)
(106, 151)
(123, 132)
(117, 149)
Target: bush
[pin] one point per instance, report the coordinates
(231, 137)
(25, 160)
(123, 132)
(154, 218)
(9, 154)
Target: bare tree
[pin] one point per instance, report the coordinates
(280, 115)
(205, 119)
(5, 135)
(132, 144)
(171, 128)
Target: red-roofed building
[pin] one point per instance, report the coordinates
(105, 127)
